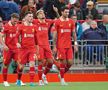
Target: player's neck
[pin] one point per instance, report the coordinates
(41, 20)
(26, 23)
(63, 18)
(11, 23)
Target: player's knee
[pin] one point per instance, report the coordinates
(39, 62)
(70, 62)
(32, 63)
(63, 61)
(20, 66)
(50, 61)
(5, 66)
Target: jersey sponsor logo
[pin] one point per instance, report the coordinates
(65, 30)
(24, 29)
(12, 35)
(62, 31)
(34, 56)
(69, 24)
(39, 28)
(61, 25)
(33, 30)
(28, 35)
(42, 28)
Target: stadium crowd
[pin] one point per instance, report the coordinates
(30, 24)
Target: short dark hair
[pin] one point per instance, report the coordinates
(28, 12)
(77, 4)
(15, 15)
(63, 8)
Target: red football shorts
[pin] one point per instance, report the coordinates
(44, 52)
(65, 53)
(9, 55)
(27, 55)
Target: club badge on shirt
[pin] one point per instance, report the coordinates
(69, 25)
(39, 28)
(62, 31)
(33, 30)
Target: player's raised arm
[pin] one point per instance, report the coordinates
(54, 37)
(54, 41)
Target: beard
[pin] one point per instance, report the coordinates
(42, 18)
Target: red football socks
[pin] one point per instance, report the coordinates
(40, 72)
(4, 71)
(32, 74)
(62, 70)
(48, 67)
(67, 67)
(19, 72)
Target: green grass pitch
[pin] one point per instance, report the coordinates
(57, 86)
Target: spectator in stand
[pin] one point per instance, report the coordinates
(23, 2)
(105, 11)
(1, 24)
(83, 2)
(7, 8)
(17, 1)
(86, 24)
(39, 4)
(76, 10)
(104, 27)
(1, 28)
(49, 7)
(93, 35)
(31, 6)
(78, 27)
(90, 10)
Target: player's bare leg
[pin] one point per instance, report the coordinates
(47, 69)
(57, 63)
(5, 71)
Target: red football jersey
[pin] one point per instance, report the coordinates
(28, 36)
(64, 32)
(11, 38)
(42, 31)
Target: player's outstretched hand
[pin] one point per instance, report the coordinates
(55, 8)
